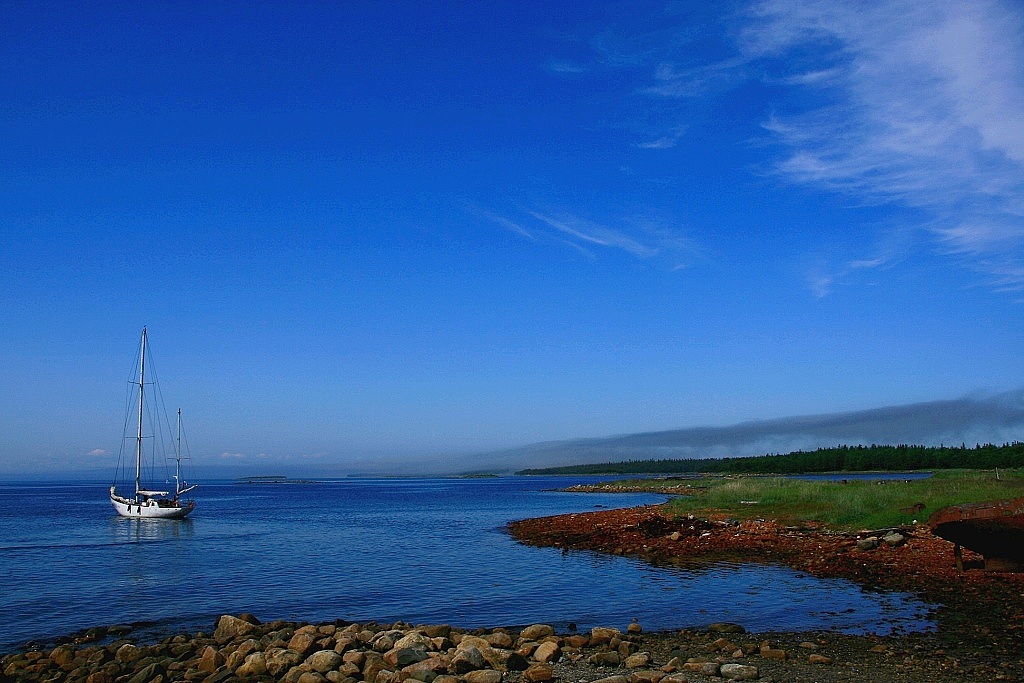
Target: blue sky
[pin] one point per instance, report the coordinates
(364, 232)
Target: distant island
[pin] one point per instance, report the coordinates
(837, 459)
(272, 479)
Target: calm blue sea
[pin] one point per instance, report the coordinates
(416, 550)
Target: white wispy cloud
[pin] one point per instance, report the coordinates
(666, 141)
(583, 251)
(671, 80)
(97, 451)
(826, 275)
(592, 233)
(637, 236)
(905, 102)
(926, 110)
(508, 224)
(564, 66)
(815, 77)
(860, 264)
(823, 278)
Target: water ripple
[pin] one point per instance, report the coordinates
(417, 550)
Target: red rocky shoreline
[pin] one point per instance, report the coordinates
(980, 615)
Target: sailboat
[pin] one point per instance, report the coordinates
(149, 503)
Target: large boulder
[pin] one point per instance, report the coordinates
(279, 660)
(512, 661)
(894, 539)
(468, 659)
(869, 543)
(254, 665)
(230, 627)
(427, 670)
(539, 673)
(547, 652)
(536, 632)
(577, 641)
(495, 659)
(710, 668)
(323, 661)
(605, 658)
(128, 653)
(210, 660)
(63, 656)
(601, 635)
(146, 674)
(500, 639)
(373, 666)
(738, 672)
(638, 660)
(303, 641)
(436, 630)
(357, 657)
(415, 639)
(99, 677)
(383, 643)
(483, 676)
(404, 656)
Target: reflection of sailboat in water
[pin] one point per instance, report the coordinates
(141, 532)
(147, 502)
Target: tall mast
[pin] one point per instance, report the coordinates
(177, 460)
(138, 442)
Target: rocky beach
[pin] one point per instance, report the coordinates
(979, 617)
(241, 648)
(979, 614)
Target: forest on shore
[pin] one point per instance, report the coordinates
(835, 459)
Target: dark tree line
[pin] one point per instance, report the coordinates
(836, 459)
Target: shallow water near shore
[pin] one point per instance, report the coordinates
(416, 550)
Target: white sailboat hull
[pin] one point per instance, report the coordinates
(150, 508)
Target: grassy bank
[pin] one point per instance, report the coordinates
(850, 506)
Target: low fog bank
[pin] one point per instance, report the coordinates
(994, 419)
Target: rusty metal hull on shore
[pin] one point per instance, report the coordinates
(993, 529)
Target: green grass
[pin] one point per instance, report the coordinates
(854, 505)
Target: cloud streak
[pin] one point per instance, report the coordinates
(508, 224)
(666, 141)
(901, 102)
(926, 110)
(824, 278)
(593, 233)
(641, 239)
